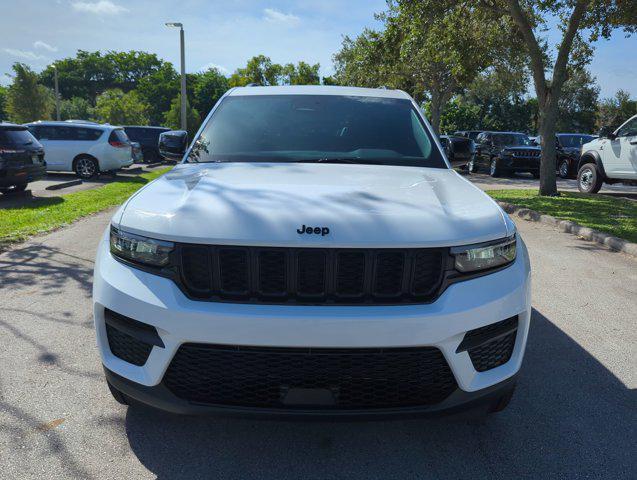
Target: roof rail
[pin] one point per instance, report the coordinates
(253, 84)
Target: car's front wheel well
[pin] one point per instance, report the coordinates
(593, 158)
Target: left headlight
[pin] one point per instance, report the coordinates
(472, 258)
(138, 249)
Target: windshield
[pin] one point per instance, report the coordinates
(308, 128)
(511, 140)
(574, 141)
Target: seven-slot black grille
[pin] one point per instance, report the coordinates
(311, 275)
(348, 378)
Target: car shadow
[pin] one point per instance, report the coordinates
(570, 417)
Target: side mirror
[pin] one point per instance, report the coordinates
(173, 144)
(606, 132)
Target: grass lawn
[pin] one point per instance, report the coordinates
(46, 214)
(606, 214)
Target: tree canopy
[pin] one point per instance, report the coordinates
(27, 100)
(119, 108)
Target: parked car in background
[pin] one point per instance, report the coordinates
(86, 149)
(21, 158)
(148, 138)
(459, 150)
(505, 152)
(138, 156)
(569, 149)
(472, 134)
(611, 158)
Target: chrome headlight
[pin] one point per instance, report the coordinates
(138, 249)
(482, 256)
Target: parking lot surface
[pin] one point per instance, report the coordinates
(574, 414)
(38, 189)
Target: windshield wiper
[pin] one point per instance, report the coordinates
(333, 160)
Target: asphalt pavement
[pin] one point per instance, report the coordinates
(574, 414)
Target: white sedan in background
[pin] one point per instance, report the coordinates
(86, 149)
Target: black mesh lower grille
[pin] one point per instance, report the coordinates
(496, 343)
(353, 378)
(127, 347)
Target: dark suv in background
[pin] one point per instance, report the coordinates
(505, 152)
(148, 138)
(569, 150)
(21, 158)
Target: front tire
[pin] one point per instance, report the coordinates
(589, 179)
(563, 169)
(86, 168)
(494, 169)
(117, 395)
(472, 167)
(502, 402)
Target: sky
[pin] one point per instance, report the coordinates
(224, 33)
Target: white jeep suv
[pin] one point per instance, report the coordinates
(84, 148)
(611, 158)
(313, 253)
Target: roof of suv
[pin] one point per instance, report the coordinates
(319, 90)
(73, 124)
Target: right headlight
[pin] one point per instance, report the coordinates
(140, 250)
(483, 256)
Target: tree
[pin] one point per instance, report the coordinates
(598, 18)
(259, 70)
(209, 86)
(90, 73)
(301, 74)
(577, 107)
(76, 108)
(172, 117)
(431, 48)
(158, 89)
(612, 112)
(119, 108)
(27, 100)
(4, 91)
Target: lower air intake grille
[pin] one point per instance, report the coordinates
(127, 347)
(268, 377)
(492, 345)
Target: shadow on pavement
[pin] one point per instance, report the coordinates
(570, 417)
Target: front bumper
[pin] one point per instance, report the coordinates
(157, 301)
(520, 164)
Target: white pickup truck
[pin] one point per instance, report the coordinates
(611, 158)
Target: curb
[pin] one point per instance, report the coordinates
(59, 186)
(601, 238)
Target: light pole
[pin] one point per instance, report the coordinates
(57, 93)
(184, 125)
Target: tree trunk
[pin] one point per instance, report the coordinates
(548, 118)
(434, 108)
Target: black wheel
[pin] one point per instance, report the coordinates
(471, 166)
(86, 167)
(563, 169)
(494, 169)
(502, 402)
(589, 179)
(117, 395)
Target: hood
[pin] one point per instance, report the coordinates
(268, 203)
